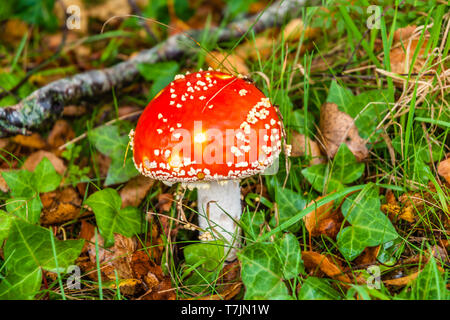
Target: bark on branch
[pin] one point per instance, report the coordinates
(45, 105)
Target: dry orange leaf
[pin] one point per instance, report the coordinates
(401, 56)
(315, 261)
(302, 146)
(259, 48)
(117, 257)
(314, 218)
(31, 141)
(444, 169)
(60, 134)
(294, 29)
(228, 62)
(35, 158)
(337, 127)
(60, 206)
(135, 191)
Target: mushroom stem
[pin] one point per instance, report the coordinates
(221, 202)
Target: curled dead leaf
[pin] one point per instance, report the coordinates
(314, 218)
(315, 261)
(60, 134)
(60, 206)
(401, 56)
(444, 169)
(32, 141)
(35, 158)
(337, 127)
(294, 29)
(118, 257)
(259, 48)
(302, 145)
(135, 191)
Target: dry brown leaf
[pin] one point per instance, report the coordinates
(159, 286)
(259, 48)
(135, 191)
(336, 128)
(368, 256)
(444, 169)
(3, 185)
(35, 158)
(294, 29)
(60, 206)
(60, 134)
(117, 257)
(315, 261)
(13, 30)
(74, 111)
(108, 9)
(314, 218)
(87, 231)
(302, 146)
(129, 287)
(401, 56)
(165, 201)
(403, 281)
(227, 62)
(31, 141)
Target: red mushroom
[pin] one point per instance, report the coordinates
(208, 130)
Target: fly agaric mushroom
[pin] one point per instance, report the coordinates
(208, 130)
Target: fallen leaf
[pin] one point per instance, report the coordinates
(129, 287)
(403, 281)
(74, 111)
(401, 56)
(35, 158)
(107, 9)
(87, 231)
(60, 134)
(259, 48)
(165, 201)
(3, 185)
(13, 30)
(229, 62)
(159, 286)
(314, 218)
(444, 169)
(337, 127)
(302, 146)
(32, 141)
(117, 257)
(60, 206)
(315, 261)
(294, 29)
(135, 191)
(368, 256)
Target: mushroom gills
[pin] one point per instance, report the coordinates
(221, 203)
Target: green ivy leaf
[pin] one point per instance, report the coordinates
(251, 222)
(339, 95)
(5, 224)
(289, 204)
(203, 262)
(290, 256)
(369, 225)
(430, 284)
(317, 289)
(111, 219)
(109, 141)
(26, 208)
(161, 73)
(344, 170)
(45, 177)
(20, 182)
(28, 250)
(260, 272)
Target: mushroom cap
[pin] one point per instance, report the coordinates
(205, 126)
